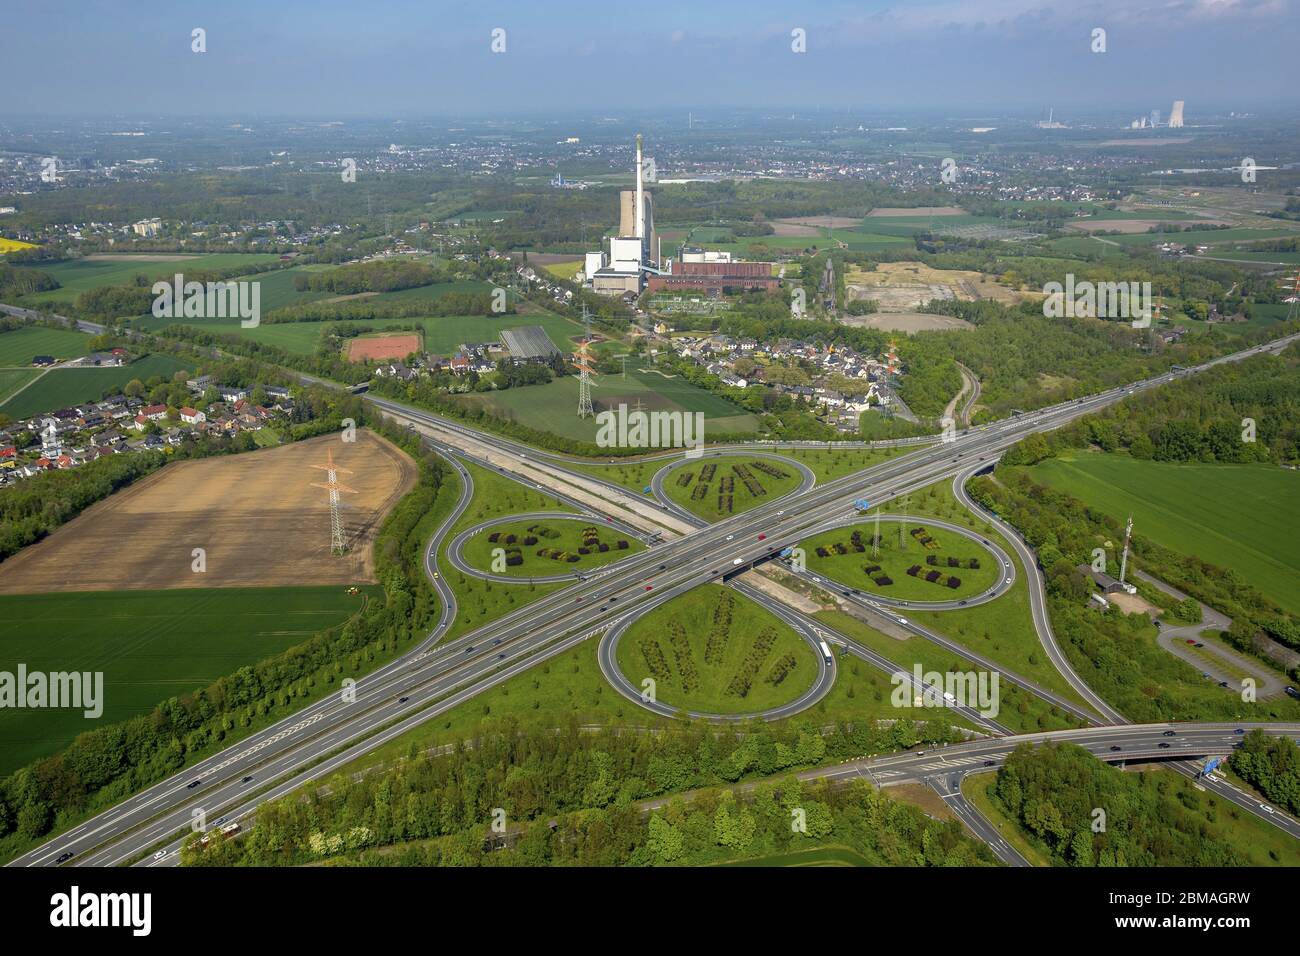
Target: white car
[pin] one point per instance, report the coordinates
(1008, 581)
(160, 855)
(902, 620)
(730, 536)
(1266, 808)
(735, 561)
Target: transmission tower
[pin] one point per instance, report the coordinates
(331, 484)
(582, 359)
(1292, 285)
(875, 538)
(1123, 561)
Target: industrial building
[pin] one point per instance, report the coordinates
(530, 343)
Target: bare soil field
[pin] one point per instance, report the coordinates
(794, 229)
(917, 211)
(346, 298)
(1129, 226)
(905, 322)
(383, 347)
(256, 515)
(905, 286)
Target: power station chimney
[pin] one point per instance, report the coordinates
(640, 193)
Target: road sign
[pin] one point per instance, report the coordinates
(1211, 764)
(862, 504)
(786, 552)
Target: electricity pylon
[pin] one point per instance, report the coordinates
(331, 484)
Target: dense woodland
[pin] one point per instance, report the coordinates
(570, 797)
(1272, 766)
(1151, 819)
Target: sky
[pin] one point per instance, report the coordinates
(348, 58)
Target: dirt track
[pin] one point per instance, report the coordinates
(256, 515)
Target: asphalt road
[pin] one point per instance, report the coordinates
(422, 685)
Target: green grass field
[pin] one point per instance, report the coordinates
(556, 534)
(12, 379)
(715, 474)
(59, 388)
(715, 651)
(19, 346)
(78, 275)
(895, 559)
(1235, 516)
(553, 407)
(149, 645)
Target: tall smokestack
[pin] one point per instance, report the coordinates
(640, 194)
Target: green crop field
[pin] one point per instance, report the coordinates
(149, 645)
(553, 407)
(78, 275)
(1241, 517)
(725, 492)
(843, 562)
(1203, 236)
(59, 388)
(20, 345)
(715, 651)
(525, 540)
(12, 379)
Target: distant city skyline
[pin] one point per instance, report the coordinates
(344, 59)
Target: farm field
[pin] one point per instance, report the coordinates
(726, 492)
(1233, 516)
(61, 387)
(149, 645)
(20, 345)
(553, 407)
(1211, 237)
(90, 272)
(842, 561)
(13, 245)
(257, 516)
(368, 348)
(715, 651)
(525, 540)
(12, 379)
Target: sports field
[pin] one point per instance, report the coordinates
(1242, 517)
(61, 387)
(716, 488)
(896, 555)
(715, 651)
(19, 346)
(372, 348)
(553, 407)
(149, 645)
(258, 517)
(543, 548)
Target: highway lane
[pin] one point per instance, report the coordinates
(693, 549)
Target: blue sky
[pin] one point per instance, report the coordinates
(382, 57)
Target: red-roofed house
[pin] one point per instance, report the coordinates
(192, 416)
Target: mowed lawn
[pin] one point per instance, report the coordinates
(20, 346)
(751, 648)
(1243, 517)
(553, 407)
(149, 645)
(61, 387)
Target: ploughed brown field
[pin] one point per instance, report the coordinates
(256, 515)
(383, 347)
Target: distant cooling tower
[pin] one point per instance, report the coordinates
(1176, 115)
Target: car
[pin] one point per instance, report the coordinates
(780, 513)
(470, 648)
(1163, 746)
(663, 567)
(193, 783)
(1238, 731)
(902, 620)
(1223, 683)
(64, 857)
(730, 536)
(920, 753)
(1007, 581)
(735, 561)
(403, 700)
(1189, 641)
(613, 598)
(1169, 733)
(1116, 750)
(1199, 644)
(578, 601)
(160, 855)
(1203, 674)
(649, 587)
(1157, 623)
(961, 602)
(989, 763)
(435, 574)
(496, 642)
(501, 657)
(604, 607)
(220, 820)
(1266, 808)
(247, 780)
(762, 537)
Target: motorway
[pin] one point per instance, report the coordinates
(429, 680)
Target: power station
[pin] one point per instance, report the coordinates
(622, 267)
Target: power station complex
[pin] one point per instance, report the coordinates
(632, 260)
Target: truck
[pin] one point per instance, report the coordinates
(826, 653)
